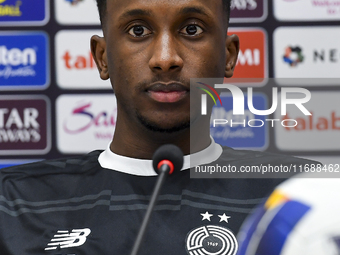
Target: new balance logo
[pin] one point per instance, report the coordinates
(64, 239)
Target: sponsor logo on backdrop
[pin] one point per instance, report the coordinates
(76, 68)
(85, 122)
(317, 132)
(252, 59)
(28, 12)
(307, 10)
(298, 53)
(77, 12)
(24, 125)
(248, 10)
(79, 62)
(240, 131)
(293, 55)
(24, 60)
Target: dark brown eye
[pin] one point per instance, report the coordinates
(139, 31)
(192, 30)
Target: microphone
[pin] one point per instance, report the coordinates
(167, 159)
(167, 155)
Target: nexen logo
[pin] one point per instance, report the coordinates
(15, 56)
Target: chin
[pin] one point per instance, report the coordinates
(163, 127)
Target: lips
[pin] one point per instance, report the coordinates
(167, 92)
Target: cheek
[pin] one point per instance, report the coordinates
(206, 61)
(129, 67)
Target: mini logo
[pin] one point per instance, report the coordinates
(212, 240)
(293, 56)
(63, 239)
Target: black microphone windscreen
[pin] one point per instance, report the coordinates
(168, 152)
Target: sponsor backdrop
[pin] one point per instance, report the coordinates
(53, 103)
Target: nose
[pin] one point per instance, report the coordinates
(165, 57)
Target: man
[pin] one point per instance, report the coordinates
(94, 204)
(158, 47)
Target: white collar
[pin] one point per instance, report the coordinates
(143, 167)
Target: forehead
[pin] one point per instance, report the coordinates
(163, 9)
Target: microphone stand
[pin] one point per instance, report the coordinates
(163, 172)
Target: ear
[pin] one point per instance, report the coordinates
(98, 49)
(232, 49)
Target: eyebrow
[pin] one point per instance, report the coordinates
(188, 10)
(141, 12)
(134, 12)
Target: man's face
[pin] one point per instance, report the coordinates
(153, 48)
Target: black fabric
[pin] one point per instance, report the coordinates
(39, 199)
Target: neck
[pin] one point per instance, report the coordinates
(139, 142)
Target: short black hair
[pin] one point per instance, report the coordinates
(102, 9)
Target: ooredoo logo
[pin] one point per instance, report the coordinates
(252, 58)
(24, 60)
(76, 68)
(24, 125)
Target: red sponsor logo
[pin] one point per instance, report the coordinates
(72, 61)
(252, 58)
